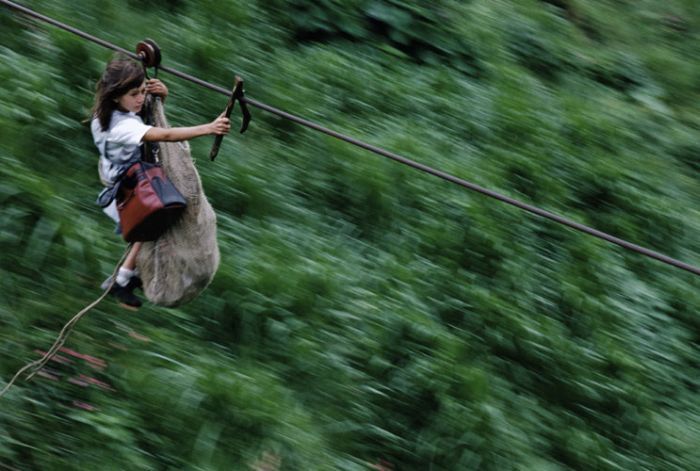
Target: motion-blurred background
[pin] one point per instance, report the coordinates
(367, 316)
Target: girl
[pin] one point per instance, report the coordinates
(118, 131)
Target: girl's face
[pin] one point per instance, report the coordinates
(133, 99)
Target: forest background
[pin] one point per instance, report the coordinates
(366, 315)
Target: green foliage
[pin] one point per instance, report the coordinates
(363, 312)
(426, 34)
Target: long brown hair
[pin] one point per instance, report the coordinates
(121, 75)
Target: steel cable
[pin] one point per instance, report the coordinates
(377, 150)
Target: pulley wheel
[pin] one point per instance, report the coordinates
(149, 52)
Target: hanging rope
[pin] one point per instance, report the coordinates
(37, 365)
(377, 150)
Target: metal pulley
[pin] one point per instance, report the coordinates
(149, 53)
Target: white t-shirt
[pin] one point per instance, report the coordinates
(119, 145)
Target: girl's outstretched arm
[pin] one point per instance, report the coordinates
(220, 125)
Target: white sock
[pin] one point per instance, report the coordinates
(124, 275)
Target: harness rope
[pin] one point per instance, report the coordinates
(37, 365)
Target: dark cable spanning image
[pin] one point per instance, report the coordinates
(316, 306)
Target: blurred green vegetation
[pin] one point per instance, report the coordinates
(363, 312)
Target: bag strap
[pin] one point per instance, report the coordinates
(150, 151)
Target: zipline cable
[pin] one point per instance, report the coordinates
(377, 150)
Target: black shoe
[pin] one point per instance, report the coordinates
(125, 295)
(135, 282)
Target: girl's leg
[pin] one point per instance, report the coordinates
(123, 288)
(130, 262)
(127, 270)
